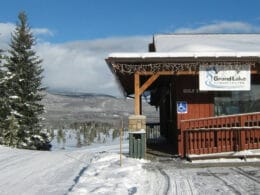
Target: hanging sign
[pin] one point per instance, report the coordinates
(224, 78)
(182, 107)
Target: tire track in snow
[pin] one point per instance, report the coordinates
(189, 184)
(186, 183)
(83, 169)
(225, 182)
(244, 173)
(175, 187)
(167, 179)
(183, 186)
(174, 184)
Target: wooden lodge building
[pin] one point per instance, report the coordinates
(206, 87)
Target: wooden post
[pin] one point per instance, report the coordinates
(137, 93)
(141, 104)
(140, 89)
(243, 139)
(121, 131)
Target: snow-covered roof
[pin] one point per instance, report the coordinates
(200, 45)
(213, 43)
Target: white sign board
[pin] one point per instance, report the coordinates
(224, 78)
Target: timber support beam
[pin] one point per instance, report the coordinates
(139, 90)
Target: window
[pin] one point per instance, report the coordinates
(237, 102)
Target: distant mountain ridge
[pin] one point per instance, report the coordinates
(65, 108)
(78, 94)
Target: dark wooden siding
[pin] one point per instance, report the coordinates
(182, 88)
(200, 104)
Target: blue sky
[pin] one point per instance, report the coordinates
(75, 36)
(91, 19)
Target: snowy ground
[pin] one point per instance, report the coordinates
(97, 170)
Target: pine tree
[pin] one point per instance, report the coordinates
(1, 98)
(4, 105)
(24, 87)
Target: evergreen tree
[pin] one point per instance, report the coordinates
(24, 87)
(4, 106)
(1, 99)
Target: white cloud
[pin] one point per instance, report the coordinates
(6, 29)
(222, 27)
(42, 31)
(80, 66)
(5, 34)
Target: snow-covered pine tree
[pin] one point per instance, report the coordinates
(24, 87)
(8, 122)
(4, 103)
(1, 98)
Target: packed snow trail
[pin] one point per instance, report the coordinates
(180, 178)
(97, 170)
(105, 176)
(37, 172)
(43, 172)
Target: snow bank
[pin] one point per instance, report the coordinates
(227, 157)
(105, 176)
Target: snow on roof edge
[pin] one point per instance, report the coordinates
(206, 34)
(184, 54)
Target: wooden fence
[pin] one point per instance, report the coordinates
(219, 134)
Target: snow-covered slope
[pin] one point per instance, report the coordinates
(97, 170)
(34, 172)
(37, 172)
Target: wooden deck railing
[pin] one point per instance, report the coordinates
(220, 134)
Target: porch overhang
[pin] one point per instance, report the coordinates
(125, 65)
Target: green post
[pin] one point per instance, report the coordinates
(143, 142)
(131, 144)
(135, 148)
(139, 148)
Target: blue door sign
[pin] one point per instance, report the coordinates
(182, 107)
